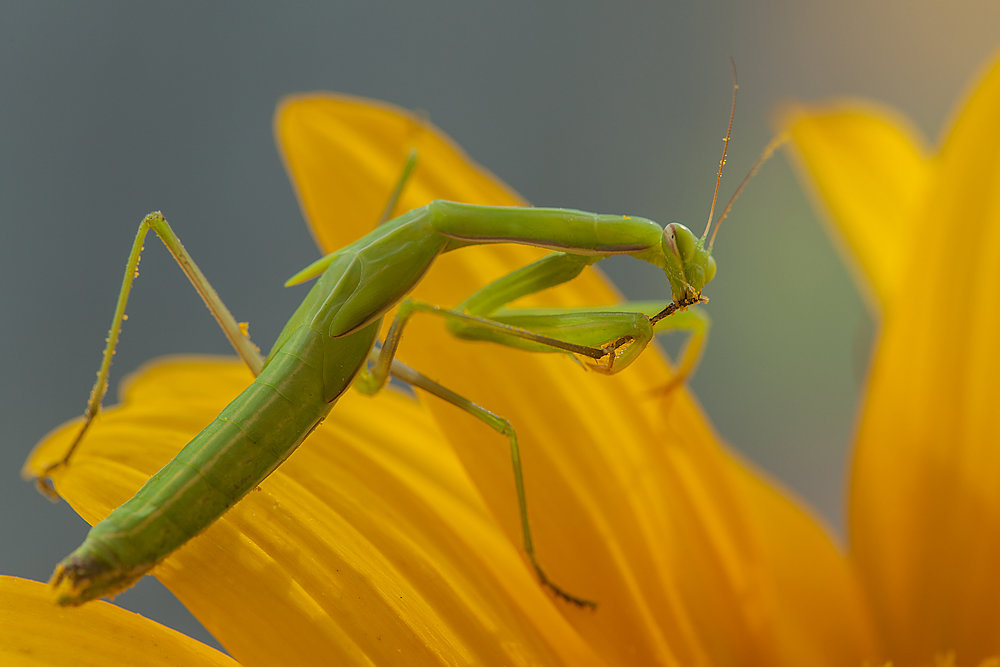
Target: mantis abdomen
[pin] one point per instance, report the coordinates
(251, 437)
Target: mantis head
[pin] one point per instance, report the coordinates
(688, 262)
(687, 259)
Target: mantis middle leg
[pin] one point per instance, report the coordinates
(503, 427)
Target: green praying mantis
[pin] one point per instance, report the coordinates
(331, 344)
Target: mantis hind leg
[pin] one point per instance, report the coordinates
(504, 427)
(245, 348)
(232, 329)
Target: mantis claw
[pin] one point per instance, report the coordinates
(561, 594)
(46, 487)
(606, 362)
(43, 482)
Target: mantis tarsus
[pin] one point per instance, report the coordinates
(329, 345)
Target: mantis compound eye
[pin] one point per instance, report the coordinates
(680, 241)
(709, 270)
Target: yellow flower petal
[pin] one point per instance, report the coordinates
(632, 502)
(868, 169)
(925, 511)
(815, 606)
(925, 504)
(634, 505)
(367, 544)
(359, 147)
(33, 631)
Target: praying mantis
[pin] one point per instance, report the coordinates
(330, 344)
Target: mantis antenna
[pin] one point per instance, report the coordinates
(768, 151)
(722, 162)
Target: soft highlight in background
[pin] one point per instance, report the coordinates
(111, 111)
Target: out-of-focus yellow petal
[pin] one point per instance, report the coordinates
(925, 497)
(633, 504)
(34, 631)
(360, 147)
(631, 500)
(368, 544)
(868, 169)
(816, 607)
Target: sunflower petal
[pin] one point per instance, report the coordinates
(925, 503)
(34, 631)
(342, 152)
(813, 599)
(631, 500)
(368, 544)
(634, 505)
(868, 169)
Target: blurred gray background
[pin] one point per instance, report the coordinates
(110, 110)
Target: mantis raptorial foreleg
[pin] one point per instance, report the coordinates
(620, 331)
(612, 336)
